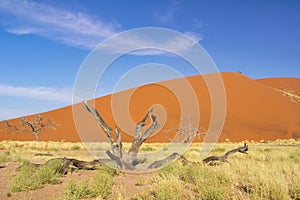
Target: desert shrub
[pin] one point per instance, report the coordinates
(267, 150)
(227, 140)
(10, 157)
(270, 189)
(53, 149)
(109, 170)
(295, 156)
(24, 180)
(43, 154)
(103, 183)
(215, 193)
(100, 185)
(165, 149)
(75, 147)
(81, 190)
(218, 149)
(201, 181)
(207, 182)
(294, 190)
(5, 157)
(31, 178)
(147, 148)
(168, 187)
(294, 182)
(49, 172)
(141, 181)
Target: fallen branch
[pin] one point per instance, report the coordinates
(70, 163)
(223, 158)
(173, 156)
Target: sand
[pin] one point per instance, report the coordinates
(255, 110)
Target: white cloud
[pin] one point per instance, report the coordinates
(195, 36)
(80, 29)
(6, 113)
(72, 28)
(151, 44)
(62, 95)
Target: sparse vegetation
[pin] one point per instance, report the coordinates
(100, 185)
(271, 170)
(31, 178)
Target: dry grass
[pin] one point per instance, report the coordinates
(271, 170)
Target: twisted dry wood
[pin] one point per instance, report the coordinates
(35, 125)
(223, 158)
(129, 161)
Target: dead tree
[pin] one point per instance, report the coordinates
(187, 131)
(126, 160)
(223, 158)
(34, 125)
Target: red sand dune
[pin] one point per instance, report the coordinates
(255, 111)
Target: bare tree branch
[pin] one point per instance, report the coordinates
(101, 122)
(32, 124)
(223, 158)
(139, 138)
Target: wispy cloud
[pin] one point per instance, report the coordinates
(151, 43)
(168, 13)
(197, 23)
(62, 95)
(72, 28)
(6, 113)
(80, 29)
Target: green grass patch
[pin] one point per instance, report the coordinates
(75, 147)
(99, 185)
(43, 154)
(30, 177)
(147, 148)
(218, 150)
(5, 157)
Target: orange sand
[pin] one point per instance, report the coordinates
(255, 111)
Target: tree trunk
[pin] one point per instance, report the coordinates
(36, 134)
(223, 158)
(129, 160)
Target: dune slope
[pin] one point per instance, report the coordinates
(255, 110)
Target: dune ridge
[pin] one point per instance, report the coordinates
(255, 110)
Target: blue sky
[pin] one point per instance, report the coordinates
(43, 43)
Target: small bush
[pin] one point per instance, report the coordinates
(5, 157)
(214, 193)
(75, 147)
(24, 180)
(100, 185)
(140, 181)
(147, 148)
(31, 178)
(49, 173)
(227, 140)
(103, 183)
(168, 187)
(295, 157)
(82, 190)
(43, 154)
(218, 150)
(268, 150)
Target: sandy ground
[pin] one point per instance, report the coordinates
(125, 184)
